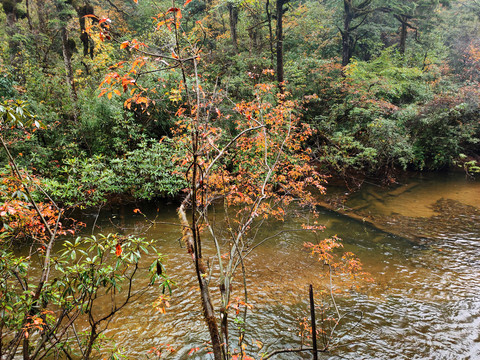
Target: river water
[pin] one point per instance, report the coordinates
(424, 302)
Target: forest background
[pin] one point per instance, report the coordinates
(247, 101)
(386, 85)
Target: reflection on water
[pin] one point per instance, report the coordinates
(425, 303)
(415, 197)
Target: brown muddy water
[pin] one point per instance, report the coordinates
(424, 303)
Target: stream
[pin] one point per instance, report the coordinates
(424, 302)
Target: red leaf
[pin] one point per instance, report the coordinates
(118, 250)
(193, 350)
(103, 19)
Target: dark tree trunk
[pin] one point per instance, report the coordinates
(352, 12)
(67, 60)
(403, 36)
(42, 22)
(87, 41)
(280, 75)
(27, 6)
(10, 7)
(346, 34)
(253, 33)
(270, 30)
(25, 350)
(313, 323)
(91, 342)
(233, 18)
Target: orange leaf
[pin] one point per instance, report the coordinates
(193, 350)
(186, 3)
(124, 44)
(118, 250)
(103, 19)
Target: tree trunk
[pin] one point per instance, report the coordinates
(10, 9)
(403, 36)
(190, 236)
(25, 350)
(280, 75)
(253, 34)
(41, 14)
(346, 35)
(270, 30)
(313, 322)
(29, 20)
(211, 319)
(67, 60)
(91, 342)
(233, 17)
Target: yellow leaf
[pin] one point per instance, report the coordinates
(109, 95)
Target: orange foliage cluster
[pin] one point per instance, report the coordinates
(271, 161)
(35, 322)
(20, 219)
(126, 81)
(324, 250)
(171, 16)
(348, 264)
(472, 59)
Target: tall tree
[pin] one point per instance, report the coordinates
(233, 21)
(65, 12)
(354, 15)
(412, 14)
(280, 10)
(13, 12)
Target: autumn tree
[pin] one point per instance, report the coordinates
(259, 168)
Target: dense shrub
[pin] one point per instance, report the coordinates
(144, 173)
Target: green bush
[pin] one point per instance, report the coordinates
(442, 130)
(144, 173)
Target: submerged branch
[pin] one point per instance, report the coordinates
(297, 350)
